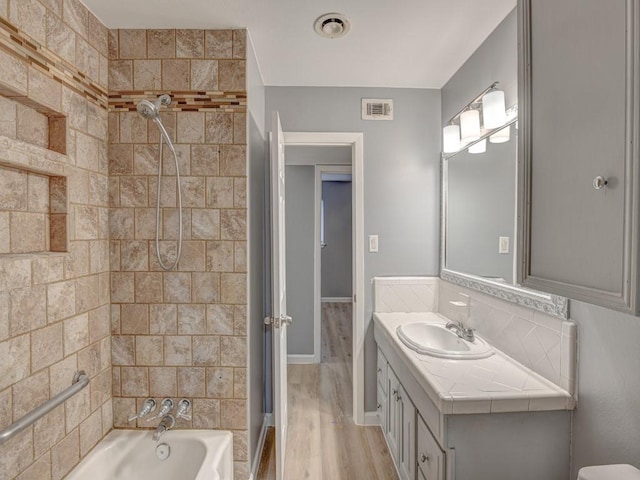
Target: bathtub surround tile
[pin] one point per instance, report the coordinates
(232, 414)
(77, 409)
(147, 75)
(30, 393)
(18, 453)
(177, 350)
(47, 346)
(163, 381)
(132, 44)
(134, 319)
(220, 382)
(233, 351)
(231, 75)
(65, 455)
(220, 319)
(135, 381)
(39, 470)
(239, 44)
(163, 319)
(189, 43)
(121, 75)
(204, 75)
(161, 43)
(220, 192)
(29, 16)
(206, 350)
(205, 224)
(206, 413)
(122, 409)
(149, 350)
(90, 432)
(123, 349)
(191, 382)
(218, 43)
(175, 74)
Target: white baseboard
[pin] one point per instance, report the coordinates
(302, 359)
(371, 418)
(336, 299)
(266, 423)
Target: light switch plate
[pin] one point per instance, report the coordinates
(373, 243)
(503, 245)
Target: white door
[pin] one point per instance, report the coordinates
(279, 318)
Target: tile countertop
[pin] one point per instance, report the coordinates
(497, 384)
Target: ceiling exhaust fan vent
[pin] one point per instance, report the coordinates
(332, 25)
(377, 109)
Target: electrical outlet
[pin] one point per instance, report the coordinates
(373, 243)
(503, 245)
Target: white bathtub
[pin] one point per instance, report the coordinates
(131, 455)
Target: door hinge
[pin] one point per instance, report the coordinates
(277, 322)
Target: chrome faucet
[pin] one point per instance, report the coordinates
(147, 408)
(165, 424)
(460, 330)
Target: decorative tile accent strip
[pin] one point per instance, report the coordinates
(232, 102)
(22, 47)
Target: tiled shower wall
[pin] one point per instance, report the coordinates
(181, 333)
(54, 307)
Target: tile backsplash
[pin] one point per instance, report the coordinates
(405, 294)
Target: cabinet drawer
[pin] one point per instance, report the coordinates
(383, 410)
(430, 458)
(382, 372)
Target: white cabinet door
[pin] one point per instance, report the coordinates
(579, 114)
(407, 437)
(393, 419)
(430, 459)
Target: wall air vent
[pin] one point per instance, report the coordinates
(377, 109)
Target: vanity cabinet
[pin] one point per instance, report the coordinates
(578, 150)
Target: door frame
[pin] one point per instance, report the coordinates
(355, 140)
(317, 252)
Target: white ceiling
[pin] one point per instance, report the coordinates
(401, 43)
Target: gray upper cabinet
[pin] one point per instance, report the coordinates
(578, 89)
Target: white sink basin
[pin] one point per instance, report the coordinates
(435, 340)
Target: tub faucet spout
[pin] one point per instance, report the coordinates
(165, 424)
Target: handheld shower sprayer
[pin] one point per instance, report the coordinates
(151, 111)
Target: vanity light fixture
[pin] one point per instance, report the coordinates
(493, 109)
(469, 126)
(451, 138)
(479, 147)
(501, 136)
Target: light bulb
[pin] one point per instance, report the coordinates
(470, 126)
(479, 147)
(493, 109)
(451, 138)
(501, 136)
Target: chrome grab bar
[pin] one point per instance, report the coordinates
(80, 380)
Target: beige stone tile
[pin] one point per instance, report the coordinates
(122, 409)
(98, 189)
(134, 255)
(191, 382)
(218, 43)
(61, 300)
(76, 16)
(132, 43)
(29, 16)
(28, 309)
(113, 45)
(233, 351)
(99, 323)
(163, 319)
(177, 287)
(113, 127)
(123, 349)
(206, 350)
(87, 59)
(4, 316)
(147, 75)
(145, 159)
(240, 128)
(44, 89)
(88, 152)
(114, 255)
(133, 127)
(13, 74)
(39, 470)
(184, 160)
(219, 192)
(169, 122)
(233, 160)
(58, 232)
(163, 382)
(120, 159)
(58, 135)
(46, 346)
(33, 127)
(107, 416)
(61, 374)
(161, 43)
(240, 469)
(206, 287)
(177, 350)
(65, 455)
(149, 350)
(220, 256)
(134, 192)
(233, 224)
(99, 256)
(219, 382)
(134, 319)
(191, 320)
(48, 431)
(76, 333)
(120, 75)
(205, 224)
(240, 320)
(190, 127)
(240, 192)
(220, 319)
(33, 232)
(121, 223)
(87, 293)
(234, 288)
(175, 74)
(100, 389)
(240, 445)
(204, 160)
(30, 393)
(15, 359)
(240, 256)
(77, 262)
(233, 414)
(219, 129)
(77, 409)
(90, 432)
(104, 71)
(204, 75)
(240, 383)
(17, 454)
(189, 43)
(193, 257)
(98, 34)
(15, 272)
(239, 44)
(8, 117)
(145, 229)
(168, 187)
(53, 5)
(148, 287)
(13, 189)
(135, 381)
(5, 235)
(90, 359)
(122, 287)
(206, 413)
(97, 121)
(193, 192)
(232, 75)
(76, 109)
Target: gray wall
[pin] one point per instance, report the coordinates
(256, 165)
(299, 222)
(401, 178)
(336, 256)
(481, 188)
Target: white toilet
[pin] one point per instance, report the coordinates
(609, 472)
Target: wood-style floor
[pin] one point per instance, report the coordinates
(323, 442)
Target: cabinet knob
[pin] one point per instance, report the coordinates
(379, 370)
(600, 182)
(394, 392)
(424, 458)
(379, 406)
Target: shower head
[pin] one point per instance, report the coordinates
(151, 110)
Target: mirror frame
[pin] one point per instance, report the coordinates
(553, 305)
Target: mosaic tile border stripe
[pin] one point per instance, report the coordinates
(190, 101)
(25, 49)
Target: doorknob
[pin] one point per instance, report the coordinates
(286, 319)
